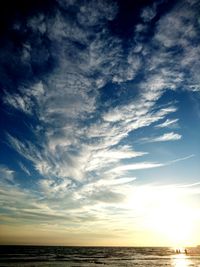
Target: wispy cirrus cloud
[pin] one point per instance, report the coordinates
(168, 123)
(137, 166)
(24, 168)
(162, 138)
(70, 151)
(6, 174)
(18, 102)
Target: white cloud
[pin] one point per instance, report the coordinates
(67, 98)
(166, 137)
(24, 168)
(6, 174)
(169, 123)
(16, 101)
(24, 101)
(172, 29)
(25, 149)
(137, 166)
(181, 159)
(179, 29)
(79, 149)
(162, 138)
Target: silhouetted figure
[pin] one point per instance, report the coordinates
(186, 251)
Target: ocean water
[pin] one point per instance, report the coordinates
(43, 256)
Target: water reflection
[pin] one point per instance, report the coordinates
(181, 260)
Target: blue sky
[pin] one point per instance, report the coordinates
(100, 112)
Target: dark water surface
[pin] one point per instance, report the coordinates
(34, 256)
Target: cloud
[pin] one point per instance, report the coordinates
(103, 11)
(6, 174)
(24, 101)
(27, 207)
(190, 185)
(18, 102)
(24, 168)
(146, 165)
(137, 166)
(169, 123)
(148, 13)
(181, 159)
(74, 144)
(179, 29)
(26, 149)
(65, 100)
(83, 141)
(163, 138)
(167, 137)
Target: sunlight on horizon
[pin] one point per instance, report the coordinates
(175, 224)
(167, 213)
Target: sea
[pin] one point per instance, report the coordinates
(49, 256)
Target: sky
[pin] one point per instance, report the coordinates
(100, 122)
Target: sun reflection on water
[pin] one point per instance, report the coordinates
(181, 260)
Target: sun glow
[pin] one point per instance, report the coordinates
(174, 223)
(167, 214)
(172, 219)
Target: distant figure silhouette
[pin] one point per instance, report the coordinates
(185, 251)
